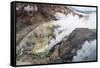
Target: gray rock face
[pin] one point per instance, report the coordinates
(75, 41)
(68, 48)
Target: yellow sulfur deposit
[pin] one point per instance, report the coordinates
(41, 37)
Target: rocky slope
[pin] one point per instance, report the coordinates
(51, 33)
(63, 51)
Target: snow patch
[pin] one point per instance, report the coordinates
(28, 8)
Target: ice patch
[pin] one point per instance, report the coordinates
(87, 52)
